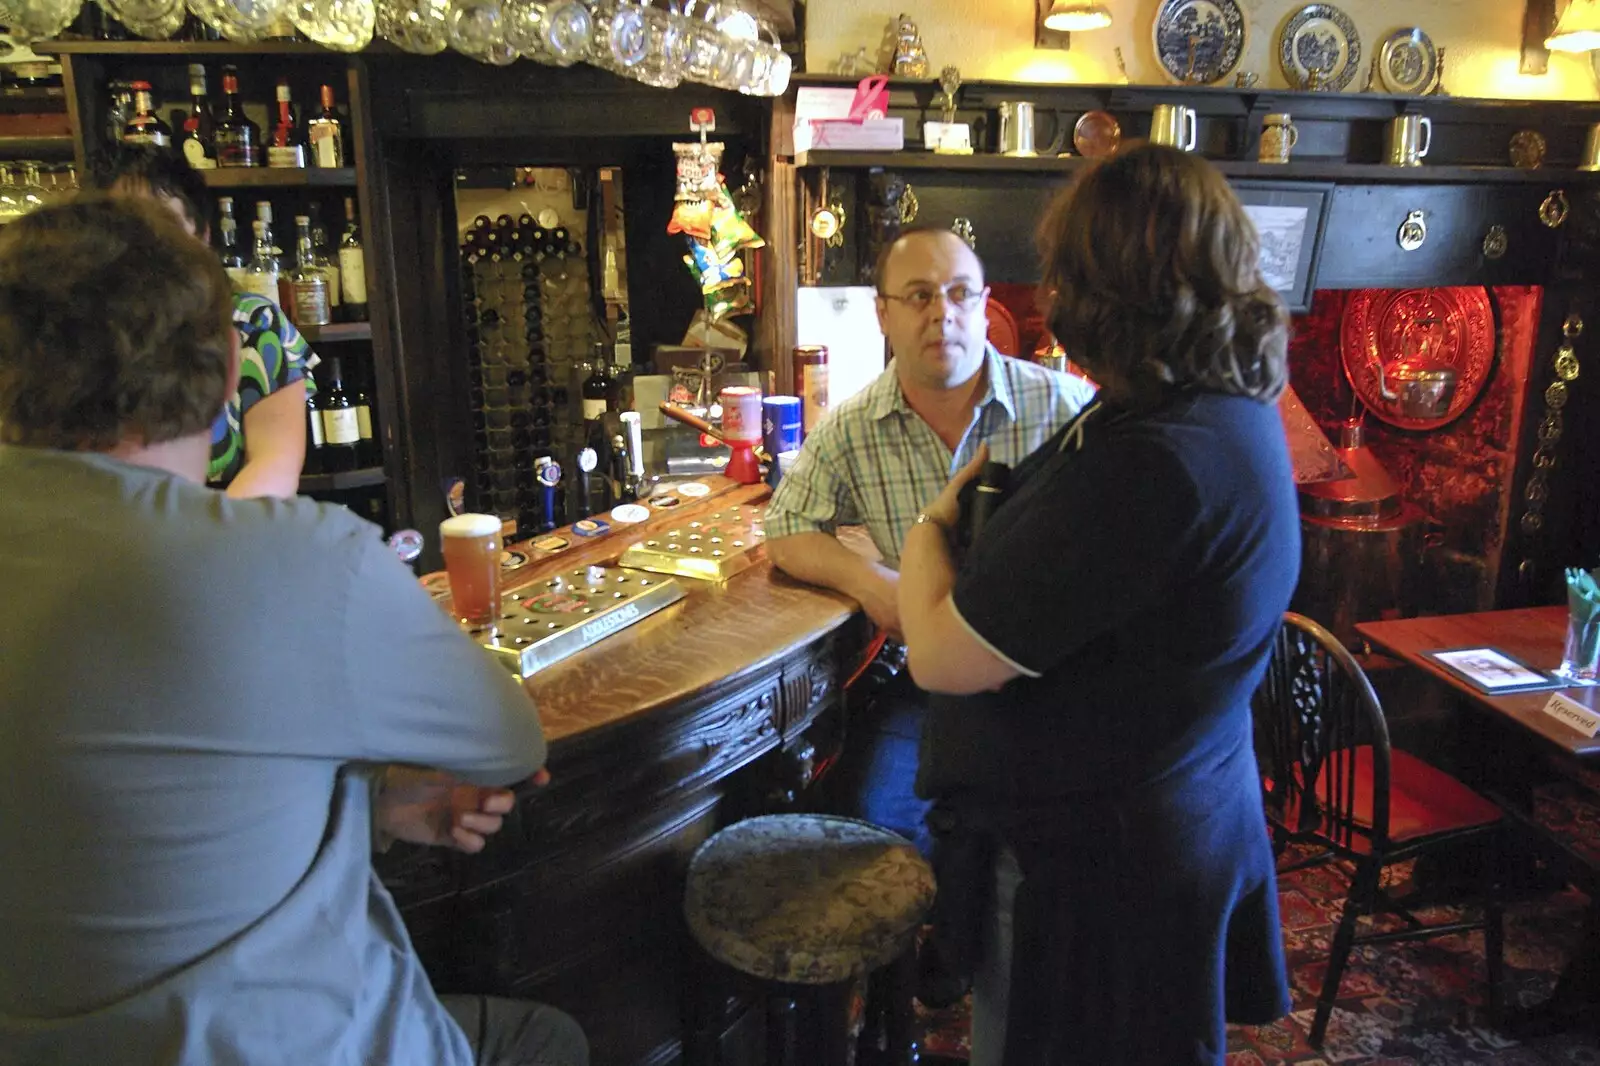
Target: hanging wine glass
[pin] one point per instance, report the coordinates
(39, 19)
(478, 29)
(708, 54)
(662, 66)
(620, 38)
(240, 20)
(417, 26)
(567, 29)
(342, 25)
(145, 12)
(159, 26)
(525, 27)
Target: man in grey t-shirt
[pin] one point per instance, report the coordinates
(199, 701)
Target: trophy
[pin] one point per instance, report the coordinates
(910, 60)
(948, 137)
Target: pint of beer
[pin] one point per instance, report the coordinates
(471, 544)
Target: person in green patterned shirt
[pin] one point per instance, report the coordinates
(258, 444)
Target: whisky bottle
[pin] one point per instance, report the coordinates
(286, 150)
(198, 142)
(238, 138)
(325, 134)
(144, 126)
(308, 286)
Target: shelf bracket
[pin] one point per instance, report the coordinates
(1044, 38)
(1538, 22)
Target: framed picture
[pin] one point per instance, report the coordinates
(1493, 671)
(1289, 218)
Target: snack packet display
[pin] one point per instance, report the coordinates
(716, 232)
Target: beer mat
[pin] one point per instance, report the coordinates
(437, 584)
(1493, 671)
(629, 513)
(694, 489)
(510, 560)
(551, 543)
(590, 527)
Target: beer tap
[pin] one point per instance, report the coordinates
(620, 469)
(633, 479)
(586, 462)
(548, 471)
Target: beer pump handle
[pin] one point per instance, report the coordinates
(587, 460)
(993, 480)
(548, 472)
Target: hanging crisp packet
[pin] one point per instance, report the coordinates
(697, 188)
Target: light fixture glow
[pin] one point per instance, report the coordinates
(1578, 29)
(1069, 15)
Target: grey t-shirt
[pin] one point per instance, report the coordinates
(192, 690)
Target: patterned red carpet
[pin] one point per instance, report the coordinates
(1416, 1004)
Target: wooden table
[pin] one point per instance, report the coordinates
(1533, 634)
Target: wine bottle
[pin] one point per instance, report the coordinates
(341, 426)
(352, 267)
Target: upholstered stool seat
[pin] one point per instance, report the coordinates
(807, 899)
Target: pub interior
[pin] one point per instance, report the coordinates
(537, 287)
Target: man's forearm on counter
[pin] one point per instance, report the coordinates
(819, 559)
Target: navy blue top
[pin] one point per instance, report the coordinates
(1140, 578)
(1138, 572)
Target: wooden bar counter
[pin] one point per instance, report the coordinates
(659, 735)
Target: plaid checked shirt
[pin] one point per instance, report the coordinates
(873, 461)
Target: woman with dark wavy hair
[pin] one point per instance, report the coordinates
(1098, 645)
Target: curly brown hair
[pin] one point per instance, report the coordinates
(1151, 281)
(115, 324)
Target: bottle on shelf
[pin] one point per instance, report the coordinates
(325, 134)
(144, 125)
(284, 298)
(238, 139)
(261, 275)
(322, 259)
(285, 149)
(308, 286)
(341, 426)
(314, 438)
(596, 388)
(352, 266)
(228, 234)
(198, 142)
(367, 451)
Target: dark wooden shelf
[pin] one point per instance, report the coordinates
(280, 177)
(48, 147)
(337, 331)
(344, 479)
(913, 159)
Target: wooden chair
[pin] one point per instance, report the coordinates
(1331, 780)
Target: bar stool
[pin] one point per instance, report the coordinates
(808, 903)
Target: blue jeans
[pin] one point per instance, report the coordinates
(878, 768)
(516, 1032)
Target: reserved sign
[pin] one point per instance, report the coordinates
(1572, 714)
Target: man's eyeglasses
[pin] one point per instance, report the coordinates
(959, 295)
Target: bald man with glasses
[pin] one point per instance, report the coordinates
(877, 458)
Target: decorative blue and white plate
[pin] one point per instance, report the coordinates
(1199, 41)
(1408, 62)
(1319, 37)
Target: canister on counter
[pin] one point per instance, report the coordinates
(780, 424)
(811, 382)
(741, 413)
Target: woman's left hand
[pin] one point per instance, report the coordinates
(946, 508)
